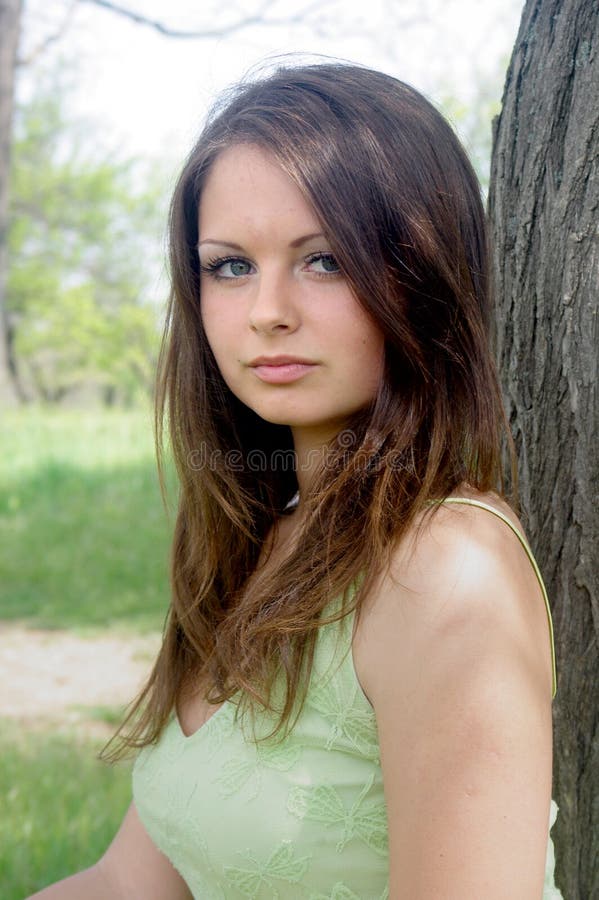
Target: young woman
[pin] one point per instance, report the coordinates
(353, 696)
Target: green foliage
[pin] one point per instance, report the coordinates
(84, 538)
(51, 823)
(473, 120)
(84, 236)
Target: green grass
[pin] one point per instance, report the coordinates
(84, 538)
(108, 715)
(84, 545)
(59, 807)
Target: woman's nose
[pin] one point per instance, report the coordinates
(273, 307)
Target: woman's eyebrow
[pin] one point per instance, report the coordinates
(304, 240)
(220, 243)
(294, 244)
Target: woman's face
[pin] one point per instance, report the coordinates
(289, 337)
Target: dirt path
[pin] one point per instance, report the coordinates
(56, 677)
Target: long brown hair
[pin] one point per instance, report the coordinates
(400, 205)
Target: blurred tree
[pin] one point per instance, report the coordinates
(235, 16)
(10, 24)
(238, 18)
(473, 119)
(82, 234)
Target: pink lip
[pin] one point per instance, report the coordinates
(281, 369)
(280, 361)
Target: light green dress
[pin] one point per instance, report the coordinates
(304, 817)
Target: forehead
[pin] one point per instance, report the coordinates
(246, 187)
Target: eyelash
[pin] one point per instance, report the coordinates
(314, 257)
(213, 265)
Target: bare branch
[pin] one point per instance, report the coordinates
(260, 17)
(50, 39)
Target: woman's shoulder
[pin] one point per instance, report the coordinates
(452, 652)
(460, 586)
(444, 533)
(461, 548)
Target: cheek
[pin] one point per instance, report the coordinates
(368, 348)
(374, 354)
(217, 328)
(373, 369)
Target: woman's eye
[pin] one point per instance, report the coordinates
(323, 264)
(235, 268)
(231, 267)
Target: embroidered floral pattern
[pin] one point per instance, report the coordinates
(338, 706)
(218, 729)
(205, 880)
(161, 832)
(340, 891)
(336, 694)
(282, 865)
(365, 820)
(239, 771)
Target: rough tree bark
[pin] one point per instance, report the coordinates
(544, 206)
(10, 16)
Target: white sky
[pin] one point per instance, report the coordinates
(149, 93)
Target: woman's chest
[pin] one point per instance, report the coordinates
(299, 817)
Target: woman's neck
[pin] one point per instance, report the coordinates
(311, 452)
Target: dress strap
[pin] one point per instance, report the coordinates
(496, 512)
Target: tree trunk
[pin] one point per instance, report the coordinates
(544, 207)
(10, 16)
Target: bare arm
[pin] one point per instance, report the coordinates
(454, 655)
(131, 869)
